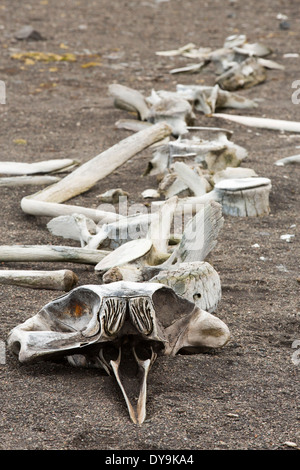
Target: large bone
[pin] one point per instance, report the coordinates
(88, 174)
(65, 254)
(262, 123)
(122, 315)
(63, 279)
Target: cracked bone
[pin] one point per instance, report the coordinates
(63, 279)
(197, 183)
(262, 123)
(149, 319)
(196, 281)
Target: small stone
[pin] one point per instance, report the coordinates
(27, 32)
(285, 25)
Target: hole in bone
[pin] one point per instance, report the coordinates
(170, 306)
(197, 296)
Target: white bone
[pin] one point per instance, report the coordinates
(263, 123)
(131, 97)
(288, 160)
(47, 166)
(28, 180)
(19, 253)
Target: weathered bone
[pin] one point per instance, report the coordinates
(196, 183)
(19, 253)
(88, 174)
(196, 281)
(82, 324)
(32, 206)
(28, 180)
(74, 227)
(55, 280)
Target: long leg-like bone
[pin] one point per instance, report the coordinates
(145, 367)
(263, 123)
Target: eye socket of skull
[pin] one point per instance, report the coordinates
(75, 311)
(169, 307)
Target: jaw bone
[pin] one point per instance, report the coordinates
(85, 324)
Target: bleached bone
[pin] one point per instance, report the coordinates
(132, 124)
(262, 123)
(204, 100)
(19, 253)
(63, 279)
(171, 186)
(74, 227)
(147, 318)
(270, 64)
(196, 281)
(247, 74)
(192, 68)
(150, 193)
(28, 180)
(131, 98)
(47, 166)
(288, 160)
(196, 183)
(88, 174)
(174, 52)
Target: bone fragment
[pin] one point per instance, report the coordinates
(28, 180)
(112, 195)
(288, 160)
(47, 166)
(233, 173)
(19, 253)
(262, 123)
(63, 279)
(88, 174)
(132, 124)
